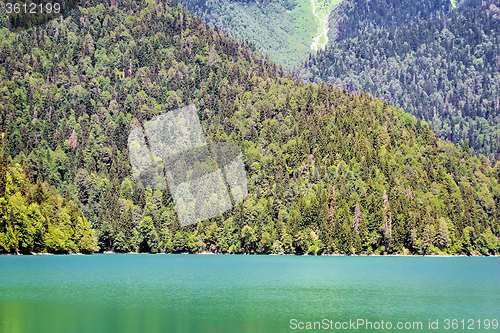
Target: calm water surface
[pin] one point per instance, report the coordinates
(205, 293)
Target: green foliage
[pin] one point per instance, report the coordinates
(121, 243)
(35, 218)
(145, 237)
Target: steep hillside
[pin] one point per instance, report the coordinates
(281, 29)
(288, 31)
(35, 218)
(356, 17)
(446, 71)
(352, 18)
(329, 171)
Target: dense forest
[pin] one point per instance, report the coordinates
(35, 218)
(329, 171)
(352, 18)
(445, 71)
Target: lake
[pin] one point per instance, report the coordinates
(224, 293)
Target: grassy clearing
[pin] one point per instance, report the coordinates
(284, 31)
(306, 25)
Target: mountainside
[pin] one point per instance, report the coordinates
(288, 31)
(352, 18)
(446, 71)
(329, 171)
(283, 30)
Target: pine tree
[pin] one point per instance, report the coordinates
(121, 244)
(387, 222)
(427, 239)
(149, 240)
(444, 235)
(363, 236)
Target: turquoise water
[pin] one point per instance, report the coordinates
(207, 293)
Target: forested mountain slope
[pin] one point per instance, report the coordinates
(446, 71)
(329, 171)
(284, 29)
(352, 18)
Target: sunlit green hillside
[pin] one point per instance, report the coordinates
(284, 30)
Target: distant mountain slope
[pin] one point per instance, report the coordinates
(328, 171)
(281, 29)
(284, 29)
(356, 17)
(352, 18)
(446, 71)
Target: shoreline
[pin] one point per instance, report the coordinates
(259, 254)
